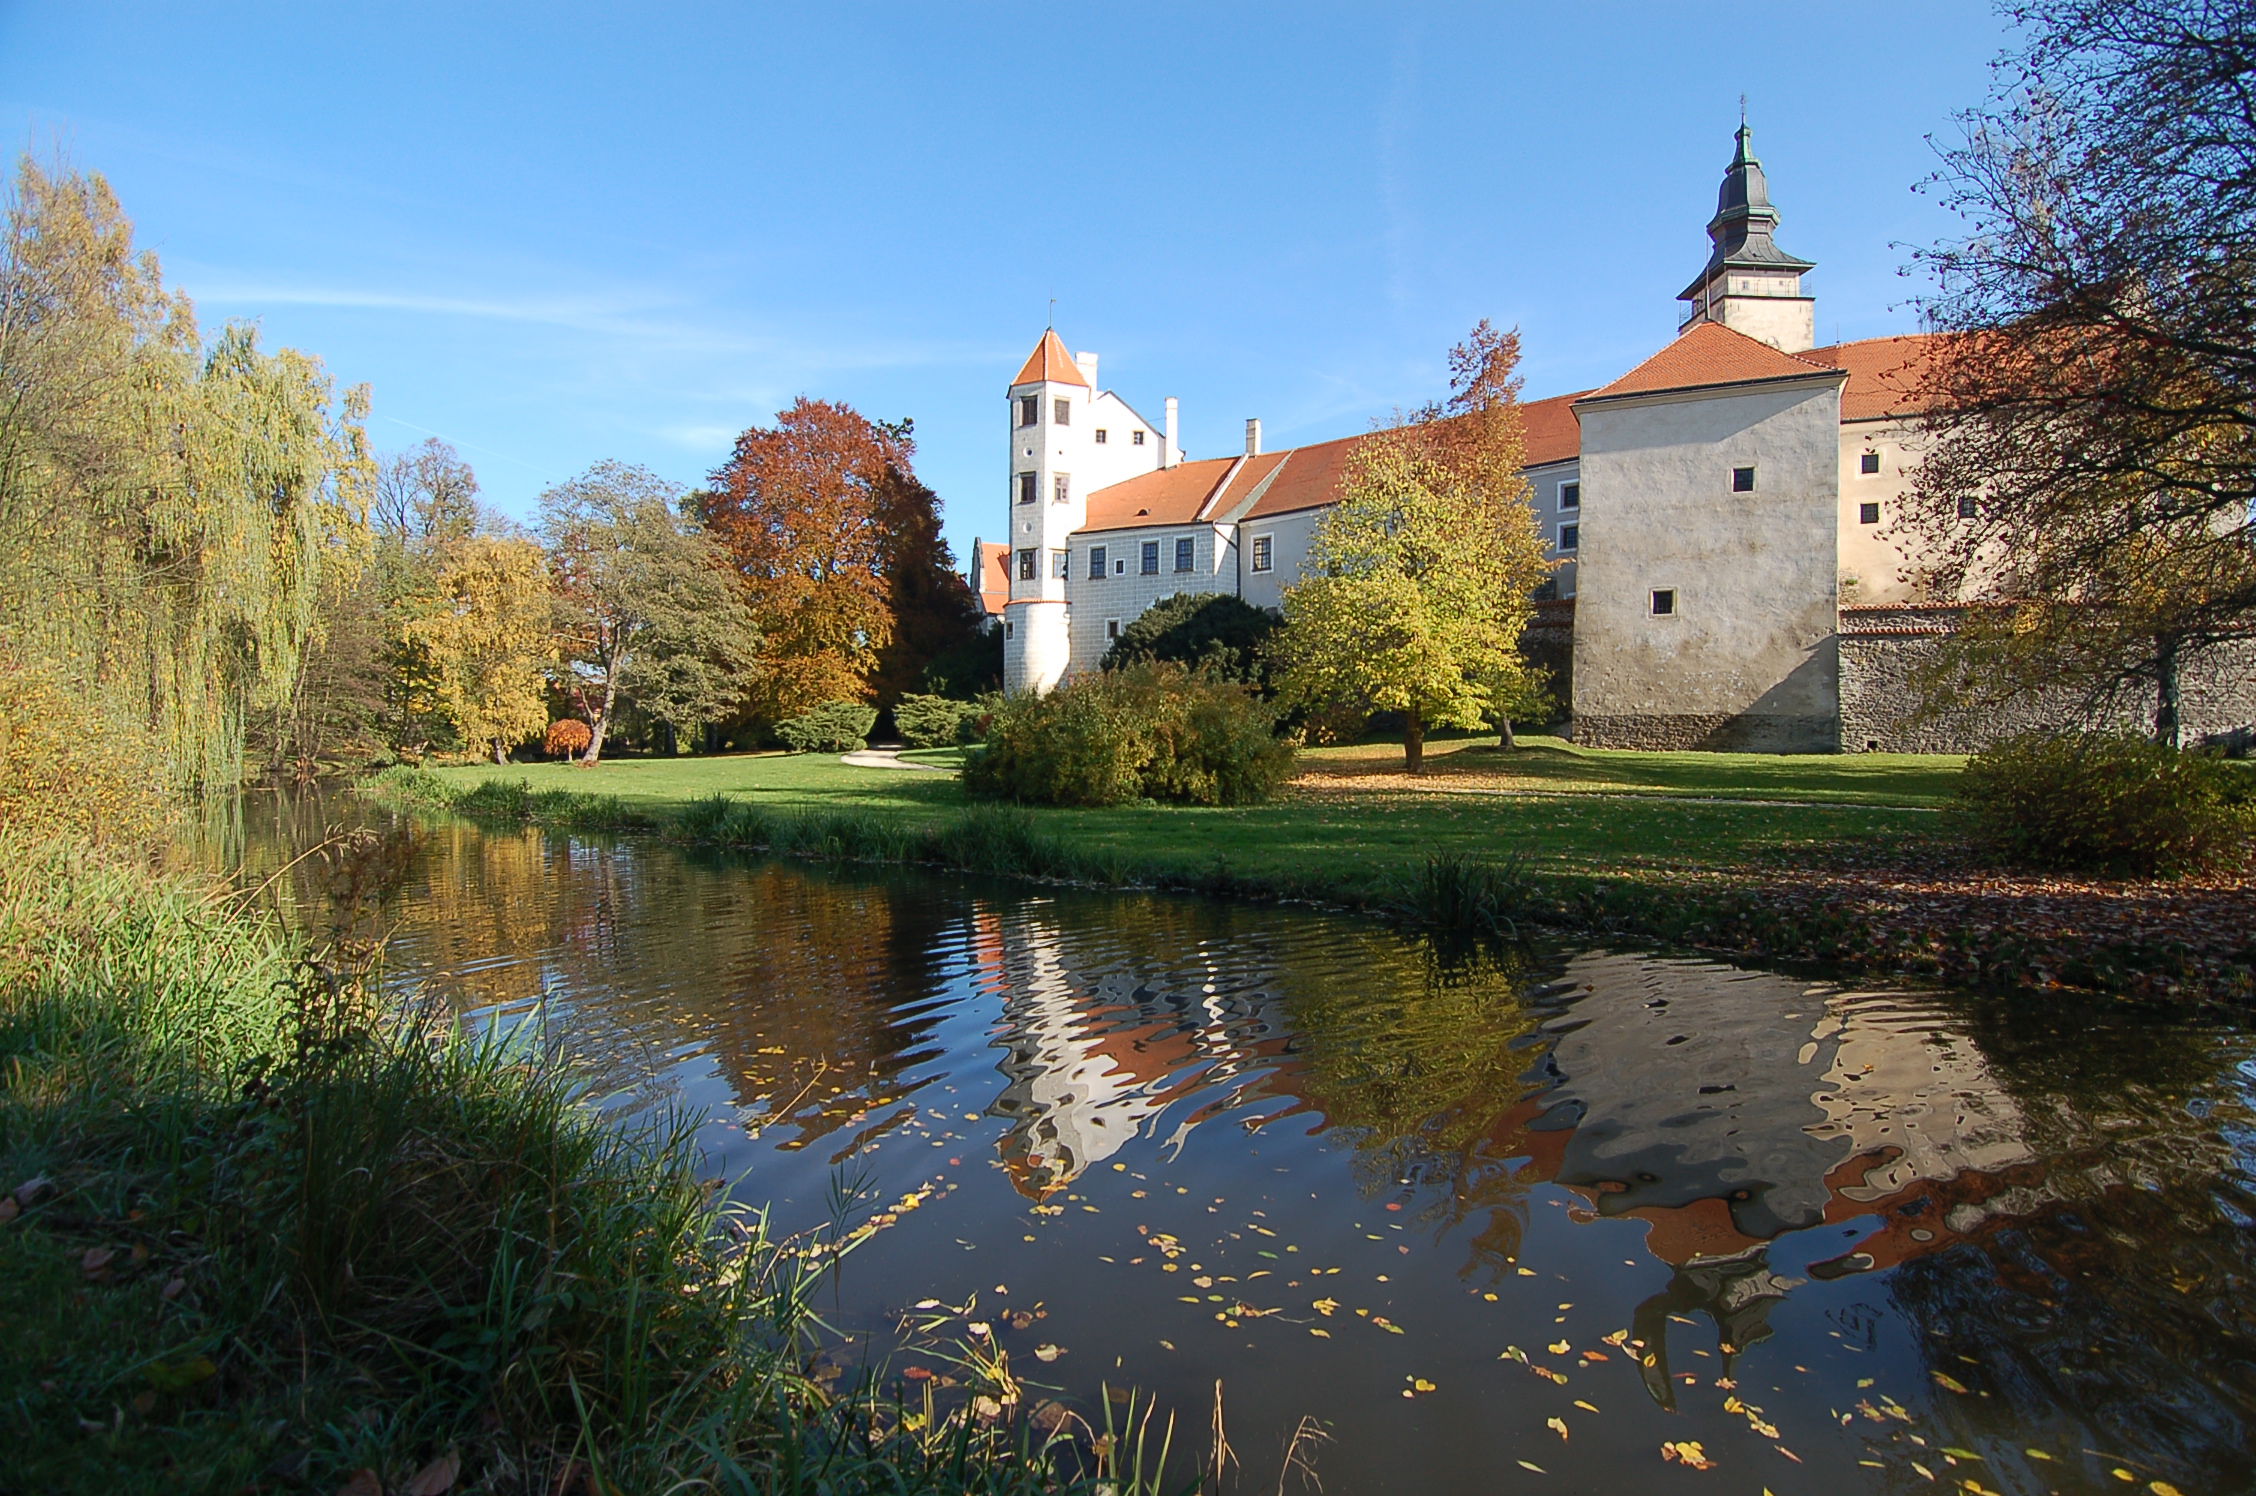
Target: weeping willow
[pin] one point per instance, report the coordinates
(171, 509)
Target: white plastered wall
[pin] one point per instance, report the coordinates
(1125, 591)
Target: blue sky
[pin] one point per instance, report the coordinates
(554, 234)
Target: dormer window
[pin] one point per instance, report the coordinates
(1061, 412)
(1029, 409)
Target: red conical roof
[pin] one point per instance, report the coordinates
(1049, 361)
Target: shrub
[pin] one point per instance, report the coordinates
(568, 737)
(932, 721)
(833, 727)
(2108, 802)
(1154, 730)
(1215, 632)
(68, 768)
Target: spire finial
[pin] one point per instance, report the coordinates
(1742, 111)
(1053, 314)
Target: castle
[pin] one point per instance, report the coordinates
(1718, 516)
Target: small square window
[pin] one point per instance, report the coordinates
(1135, 438)
(1100, 436)
(1869, 463)
(1185, 553)
(1028, 485)
(1061, 489)
(1570, 537)
(1010, 629)
(1570, 496)
(1261, 553)
(1112, 628)
(1965, 508)
(1026, 566)
(1061, 412)
(1029, 409)
(1664, 601)
(1743, 480)
(1868, 514)
(1149, 559)
(1120, 567)
(1096, 561)
(1057, 563)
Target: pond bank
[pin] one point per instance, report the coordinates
(256, 1234)
(1841, 885)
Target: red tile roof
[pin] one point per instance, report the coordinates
(994, 577)
(1709, 354)
(1884, 373)
(1049, 361)
(1294, 479)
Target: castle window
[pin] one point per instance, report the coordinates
(1261, 553)
(1026, 566)
(1057, 564)
(1061, 412)
(1149, 559)
(1743, 480)
(1185, 553)
(1664, 601)
(1096, 562)
(1112, 628)
(1010, 629)
(1570, 537)
(1028, 485)
(1029, 409)
(1061, 489)
(1868, 514)
(1120, 567)
(1135, 438)
(1965, 508)
(1570, 496)
(1869, 463)
(1100, 436)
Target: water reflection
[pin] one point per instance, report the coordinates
(1724, 1206)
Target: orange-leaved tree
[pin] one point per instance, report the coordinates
(800, 505)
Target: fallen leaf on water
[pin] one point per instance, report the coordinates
(1948, 1383)
(1531, 1465)
(2162, 1488)
(1557, 1426)
(1325, 1306)
(1586, 1407)
(436, 1478)
(917, 1373)
(1046, 1352)
(1559, 1347)
(1688, 1452)
(362, 1483)
(1320, 1334)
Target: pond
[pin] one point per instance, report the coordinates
(1567, 1220)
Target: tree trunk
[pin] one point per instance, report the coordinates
(599, 727)
(1504, 738)
(1413, 742)
(2166, 731)
(501, 751)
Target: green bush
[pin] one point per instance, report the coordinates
(2108, 802)
(833, 727)
(932, 721)
(1154, 731)
(1215, 632)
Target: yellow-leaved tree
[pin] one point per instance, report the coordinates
(485, 632)
(1420, 578)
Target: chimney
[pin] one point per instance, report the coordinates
(1171, 453)
(1087, 364)
(1253, 437)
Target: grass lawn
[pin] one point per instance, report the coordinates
(1356, 822)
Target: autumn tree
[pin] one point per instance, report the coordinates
(647, 609)
(936, 619)
(2091, 437)
(486, 628)
(175, 511)
(799, 505)
(1419, 578)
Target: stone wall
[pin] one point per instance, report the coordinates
(1715, 732)
(1883, 651)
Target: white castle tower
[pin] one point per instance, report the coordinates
(1067, 440)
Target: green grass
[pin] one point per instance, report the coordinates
(258, 1235)
(1358, 842)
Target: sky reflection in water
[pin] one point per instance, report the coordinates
(1838, 1240)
